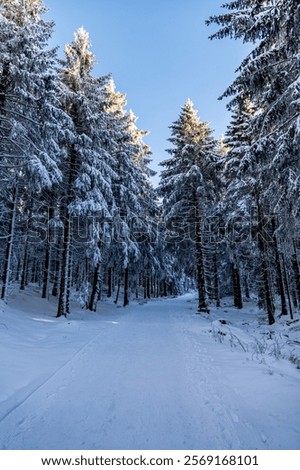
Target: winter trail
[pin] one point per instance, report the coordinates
(152, 378)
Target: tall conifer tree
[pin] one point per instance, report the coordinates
(187, 188)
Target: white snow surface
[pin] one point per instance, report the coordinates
(150, 376)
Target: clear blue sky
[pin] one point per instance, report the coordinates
(159, 54)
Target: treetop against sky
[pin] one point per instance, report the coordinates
(159, 54)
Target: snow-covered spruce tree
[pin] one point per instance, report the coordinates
(124, 250)
(145, 226)
(250, 199)
(237, 204)
(142, 154)
(269, 76)
(187, 187)
(31, 122)
(246, 209)
(87, 173)
(135, 202)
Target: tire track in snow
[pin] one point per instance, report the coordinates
(49, 378)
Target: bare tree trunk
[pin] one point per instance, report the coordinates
(56, 274)
(202, 306)
(25, 265)
(236, 281)
(287, 288)
(69, 280)
(279, 271)
(33, 271)
(46, 271)
(246, 285)
(118, 291)
(264, 266)
(126, 287)
(165, 293)
(109, 283)
(9, 245)
(64, 288)
(62, 300)
(145, 285)
(216, 281)
(113, 283)
(296, 270)
(47, 260)
(92, 305)
(148, 286)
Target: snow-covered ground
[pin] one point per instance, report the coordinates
(150, 376)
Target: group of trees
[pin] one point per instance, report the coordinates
(262, 166)
(238, 200)
(78, 211)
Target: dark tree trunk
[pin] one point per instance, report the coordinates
(153, 286)
(267, 291)
(126, 287)
(99, 293)
(172, 288)
(56, 274)
(136, 292)
(287, 287)
(113, 283)
(46, 272)
(69, 281)
(157, 288)
(148, 287)
(145, 286)
(109, 283)
(279, 271)
(4, 83)
(165, 288)
(9, 244)
(294, 297)
(24, 267)
(296, 270)
(216, 281)
(202, 306)
(78, 277)
(92, 305)
(237, 289)
(24, 273)
(63, 288)
(118, 291)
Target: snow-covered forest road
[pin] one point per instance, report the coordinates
(153, 376)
